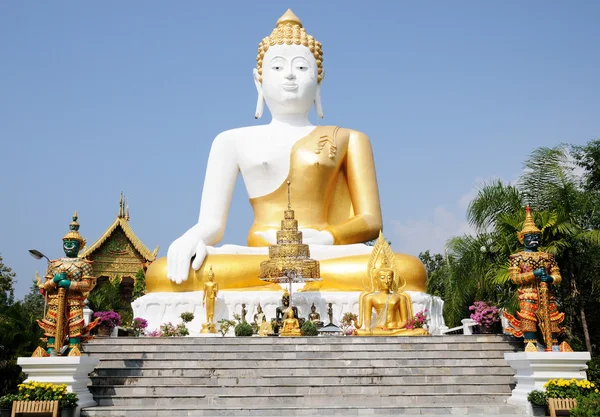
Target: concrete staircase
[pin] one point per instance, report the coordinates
(438, 375)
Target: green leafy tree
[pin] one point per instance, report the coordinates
(437, 272)
(7, 281)
(562, 209)
(139, 287)
(33, 303)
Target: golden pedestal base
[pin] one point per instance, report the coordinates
(208, 328)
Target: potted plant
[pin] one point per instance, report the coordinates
(6, 404)
(45, 391)
(418, 321)
(68, 404)
(347, 323)
(108, 321)
(485, 315)
(538, 402)
(309, 329)
(138, 326)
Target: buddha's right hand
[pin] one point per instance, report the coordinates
(179, 255)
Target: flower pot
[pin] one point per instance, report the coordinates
(68, 412)
(539, 410)
(104, 331)
(483, 329)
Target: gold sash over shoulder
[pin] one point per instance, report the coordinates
(334, 188)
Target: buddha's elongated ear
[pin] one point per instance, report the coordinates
(318, 105)
(260, 102)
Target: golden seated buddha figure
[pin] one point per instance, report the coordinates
(290, 325)
(393, 307)
(332, 175)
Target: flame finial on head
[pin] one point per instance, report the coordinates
(73, 233)
(529, 227)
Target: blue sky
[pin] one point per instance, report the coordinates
(99, 98)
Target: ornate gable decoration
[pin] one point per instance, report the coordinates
(119, 251)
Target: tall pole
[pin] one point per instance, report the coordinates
(543, 314)
(59, 338)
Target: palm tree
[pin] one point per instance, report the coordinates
(561, 209)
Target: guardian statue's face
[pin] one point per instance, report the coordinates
(289, 79)
(71, 247)
(531, 241)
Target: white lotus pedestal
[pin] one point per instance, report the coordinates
(534, 369)
(70, 370)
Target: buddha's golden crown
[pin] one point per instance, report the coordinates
(529, 227)
(289, 31)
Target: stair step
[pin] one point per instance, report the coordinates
(408, 411)
(337, 376)
(309, 390)
(290, 363)
(309, 380)
(296, 371)
(422, 399)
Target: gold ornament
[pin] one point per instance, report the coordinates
(529, 227)
(73, 233)
(289, 31)
(289, 254)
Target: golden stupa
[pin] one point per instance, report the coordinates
(289, 259)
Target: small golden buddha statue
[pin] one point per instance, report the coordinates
(265, 329)
(392, 306)
(290, 325)
(211, 289)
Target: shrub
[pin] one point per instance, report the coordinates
(537, 397)
(243, 329)
(110, 319)
(225, 325)
(484, 314)
(587, 406)
(187, 317)
(68, 400)
(170, 330)
(11, 376)
(419, 321)
(7, 400)
(348, 319)
(593, 372)
(138, 326)
(572, 388)
(309, 329)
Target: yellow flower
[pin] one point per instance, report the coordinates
(596, 390)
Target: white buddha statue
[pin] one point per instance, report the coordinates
(333, 184)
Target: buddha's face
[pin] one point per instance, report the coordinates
(71, 247)
(259, 309)
(286, 300)
(290, 314)
(289, 79)
(385, 278)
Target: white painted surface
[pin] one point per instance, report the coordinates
(534, 369)
(71, 370)
(160, 308)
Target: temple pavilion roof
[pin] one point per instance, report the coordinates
(122, 223)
